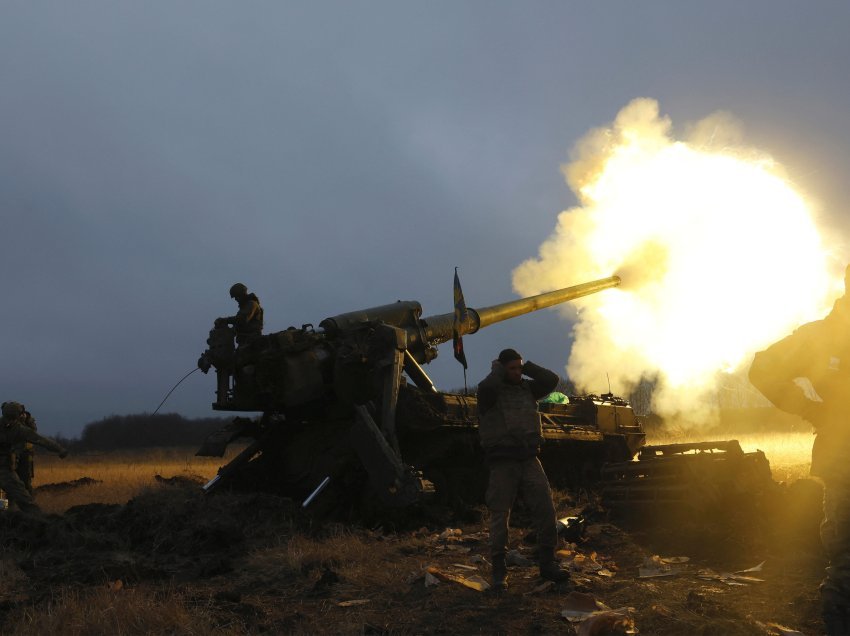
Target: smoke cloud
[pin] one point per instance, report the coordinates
(719, 256)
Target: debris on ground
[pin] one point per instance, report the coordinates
(596, 617)
(543, 587)
(591, 563)
(474, 582)
(571, 529)
(353, 602)
(579, 606)
(515, 558)
(454, 540)
(611, 622)
(464, 567)
(738, 578)
(656, 567)
(257, 564)
(780, 630)
(462, 549)
(755, 568)
(477, 558)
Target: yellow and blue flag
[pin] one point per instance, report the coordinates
(460, 321)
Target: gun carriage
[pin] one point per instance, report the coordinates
(350, 400)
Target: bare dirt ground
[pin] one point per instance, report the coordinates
(172, 560)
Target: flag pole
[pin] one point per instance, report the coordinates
(459, 326)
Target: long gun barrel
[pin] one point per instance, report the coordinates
(438, 328)
(296, 364)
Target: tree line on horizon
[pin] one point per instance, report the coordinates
(143, 430)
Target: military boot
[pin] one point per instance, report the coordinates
(551, 570)
(500, 573)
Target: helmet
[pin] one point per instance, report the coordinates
(238, 290)
(12, 410)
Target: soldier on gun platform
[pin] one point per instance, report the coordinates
(14, 431)
(248, 321)
(819, 352)
(510, 432)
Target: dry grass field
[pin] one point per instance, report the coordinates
(133, 554)
(121, 475)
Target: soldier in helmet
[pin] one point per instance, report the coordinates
(14, 431)
(509, 428)
(808, 374)
(248, 321)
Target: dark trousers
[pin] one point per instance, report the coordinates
(526, 478)
(835, 536)
(24, 466)
(15, 489)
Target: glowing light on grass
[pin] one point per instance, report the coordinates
(718, 252)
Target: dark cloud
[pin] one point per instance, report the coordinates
(335, 156)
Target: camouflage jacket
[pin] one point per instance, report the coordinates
(808, 374)
(248, 321)
(29, 421)
(14, 433)
(509, 424)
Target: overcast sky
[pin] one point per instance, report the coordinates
(339, 155)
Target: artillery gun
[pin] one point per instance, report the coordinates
(336, 404)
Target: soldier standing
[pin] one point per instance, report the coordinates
(808, 374)
(511, 435)
(25, 455)
(248, 321)
(13, 432)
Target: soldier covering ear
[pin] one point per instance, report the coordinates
(510, 432)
